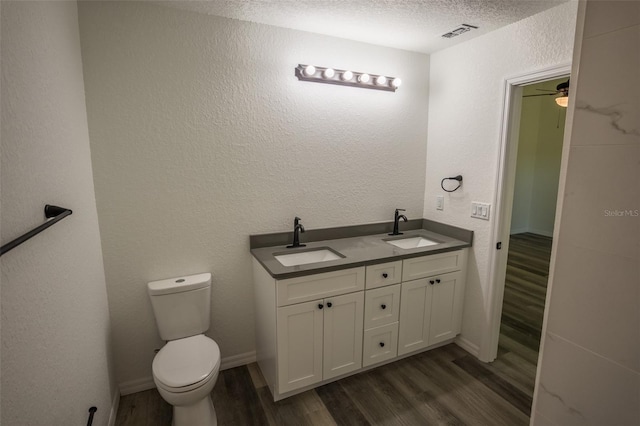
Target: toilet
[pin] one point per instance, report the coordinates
(186, 368)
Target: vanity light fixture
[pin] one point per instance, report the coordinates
(328, 73)
(346, 78)
(309, 70)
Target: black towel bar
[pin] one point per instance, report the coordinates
(92, 411)
(54, 213)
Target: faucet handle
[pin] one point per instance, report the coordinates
(296, 220)
(400, 210)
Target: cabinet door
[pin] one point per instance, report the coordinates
(343, 317)
(299, 336)
(446, 307)
(415, 311)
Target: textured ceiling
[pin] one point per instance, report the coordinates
(415, 25)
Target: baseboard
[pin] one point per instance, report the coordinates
(146, 383)
(138, 385)
(518, 231)
(237, 360)
(532, 231)
(468, 346)
(542, 232)
(115, 403)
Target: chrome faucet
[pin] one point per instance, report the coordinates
(297, 229)
(396, 221)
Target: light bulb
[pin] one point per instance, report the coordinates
(396, 82)
(309, 70)
(381, 80)
(364, 78)
(563, 101)
(328, 73)
(347, 75)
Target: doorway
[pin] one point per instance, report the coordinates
(537, 173)
(529, 164)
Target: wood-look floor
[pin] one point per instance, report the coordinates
(523, 306)
(445, 386)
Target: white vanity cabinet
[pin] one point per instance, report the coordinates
(319, 340)
(431, 300)
(309, 328)
(315, 328)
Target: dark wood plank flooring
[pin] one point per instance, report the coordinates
(523, 309)
(445, 386)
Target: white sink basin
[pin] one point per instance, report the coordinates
(412, 242)
(305, 257)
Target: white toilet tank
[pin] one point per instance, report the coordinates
(182, 306)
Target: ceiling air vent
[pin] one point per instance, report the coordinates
(460, 30)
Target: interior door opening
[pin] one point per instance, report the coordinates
(530, 193)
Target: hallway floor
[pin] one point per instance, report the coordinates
(523, 306)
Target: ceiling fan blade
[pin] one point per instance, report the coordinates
(541, 94)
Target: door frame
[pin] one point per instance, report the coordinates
(505, 185)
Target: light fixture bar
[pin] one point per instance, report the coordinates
(347, 78)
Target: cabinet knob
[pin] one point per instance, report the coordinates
(383, 306)
(320, 306)
(385, 275)
(329, 304)
(432, 282)
(438, 280)
(382, 344)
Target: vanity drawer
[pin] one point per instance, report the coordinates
(384, 274)
(421, 267)
(380, 344)
(319, 286)
(381, 306)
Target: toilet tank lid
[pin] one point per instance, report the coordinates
(179, 284)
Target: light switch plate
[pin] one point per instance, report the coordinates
(480, 210)
(439, 202)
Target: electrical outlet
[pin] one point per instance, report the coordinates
(440, 202)
(480, 210)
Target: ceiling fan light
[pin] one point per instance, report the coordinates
(563, 101)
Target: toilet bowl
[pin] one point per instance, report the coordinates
(185, 372)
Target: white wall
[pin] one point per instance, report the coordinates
(201, 135)
(538, 164)
(55, 320)
(465, 106)
(525, 164)
(589, 371)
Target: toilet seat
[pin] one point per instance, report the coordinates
(185, 364)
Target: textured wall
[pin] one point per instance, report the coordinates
(538, 163)
(55, 320)
(201, 135)
(465, 107)
(589, 372)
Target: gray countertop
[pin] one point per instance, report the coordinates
(357, 251)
